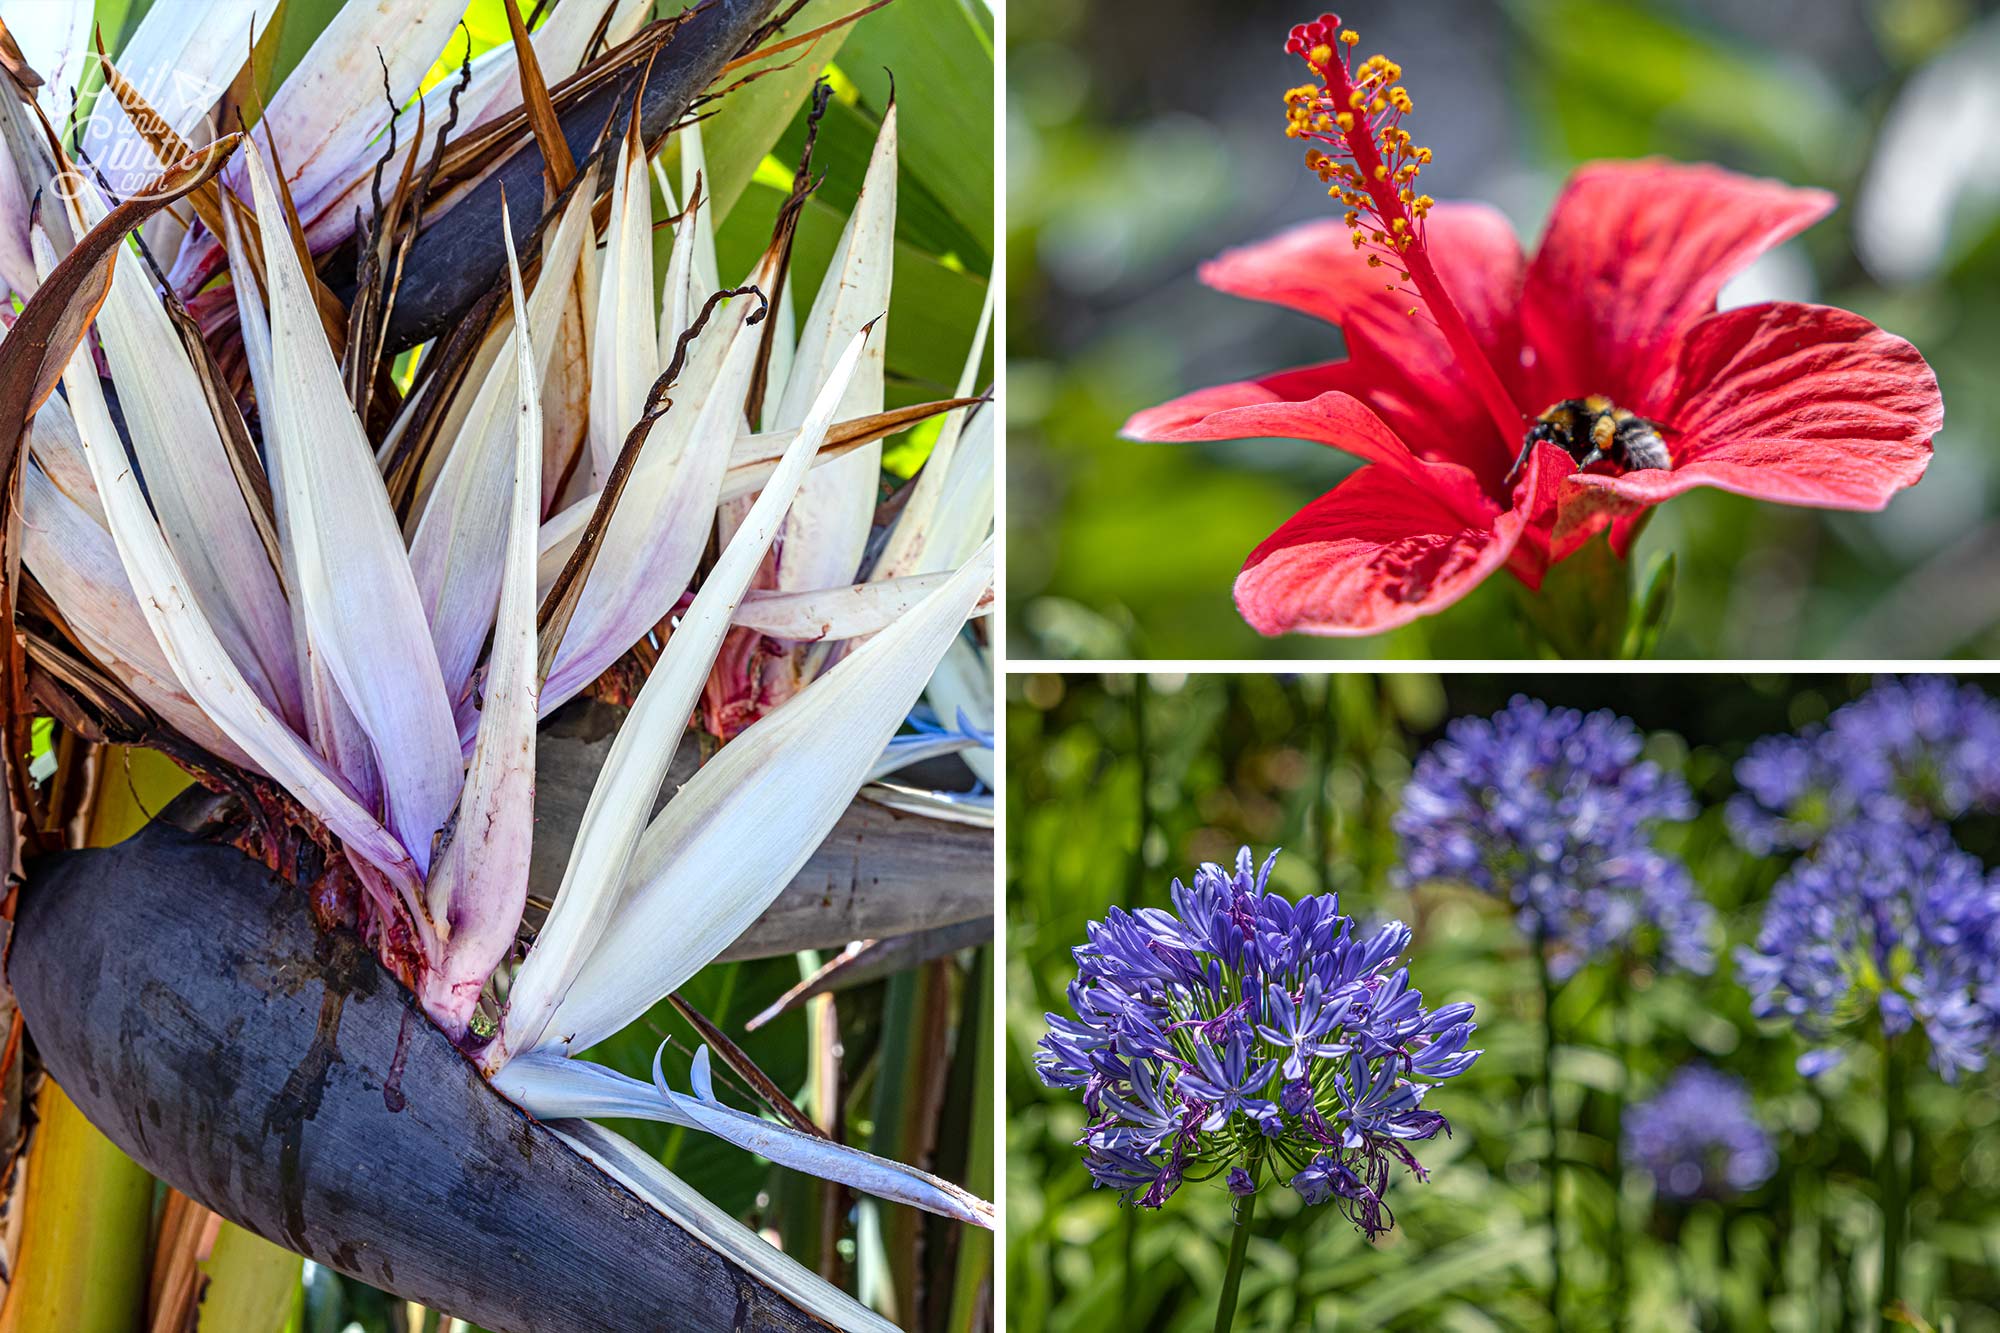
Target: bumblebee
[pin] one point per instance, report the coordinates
(1594, 430)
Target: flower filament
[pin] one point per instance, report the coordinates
(1353, 116)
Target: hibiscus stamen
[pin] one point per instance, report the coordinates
(1372, 167)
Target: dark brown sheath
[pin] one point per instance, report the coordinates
(180, 994)
(453, 263)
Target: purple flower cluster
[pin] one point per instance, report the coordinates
(1882, 919)
(1918, 749)
(1699, 1137)
(1554, 809)
(1242, 1030)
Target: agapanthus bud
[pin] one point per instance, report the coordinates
(1242, 1030)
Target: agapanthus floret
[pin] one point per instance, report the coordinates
(1554, 810)
(1242, 1029)
(1884, 920)
(1699, 1137)
(1919, 748)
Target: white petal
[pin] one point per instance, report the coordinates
(480, 884)
(180, 59)
(665, 1191)
(828, 527)
(920, 523)
(191, 647)
(678, 302)
(629, 782)
(330, 724)
(739, 830)
(657, 535)
(963, 683)
(329, 111)
(77, 564)
(190, 480)
(456, 553)
(839, 613)
(624, 358)
(549, 1087)
(694, 169)
(363, 615)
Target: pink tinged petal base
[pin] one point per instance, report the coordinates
(1634, 254)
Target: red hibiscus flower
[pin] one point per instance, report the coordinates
(1489, 393)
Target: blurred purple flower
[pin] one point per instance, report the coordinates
(1242, 1027)
(1699, 1137)
(1884, 919)
(1553, 809)
(1916, 749)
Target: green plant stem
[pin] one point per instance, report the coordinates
(1232, 1274)
(1129, 1222)
(1551, 1162)
(1324, 737)
(1895, 1176)
(1622, 1038)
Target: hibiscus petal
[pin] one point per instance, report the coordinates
(1377, 551)
(1249, 411)
(1633, 256)
(1399, 363)
(1314, 268)
(1798, 404)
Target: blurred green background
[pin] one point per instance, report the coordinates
(1146, 137)
(1119, 784)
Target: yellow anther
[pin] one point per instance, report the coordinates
(1354, 99)
(1348, 37)
(1346, 122)
(1399, 225)
(1424, 155)
(1381, 173)
(1378, 106)
(1357, 238)
(1321, 55)
(1353, 217)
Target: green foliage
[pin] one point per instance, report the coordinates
(1316, 765)
(941, 54)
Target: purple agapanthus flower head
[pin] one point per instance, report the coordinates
(1242, 1030)
(1918, 749)
(1555, 810)
(1699, 1137)
(1889, 921)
